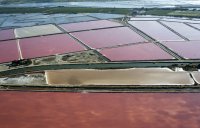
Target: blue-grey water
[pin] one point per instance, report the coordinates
(116, 4)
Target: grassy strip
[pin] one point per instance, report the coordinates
(44, 1)
(176, 12)
(101, 88)
(53, 10)
(185, 13)
(158, 12)
(187, 65)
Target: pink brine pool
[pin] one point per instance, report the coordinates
(48, 45)
(185, 30)
(99, 110)
(143, 51)
(155, 30)
(186, 49)
(89, 25)
(109, 37)
(7, 34)
(9, 51)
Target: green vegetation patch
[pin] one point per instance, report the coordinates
(158, 12)
(52, 10)
(43, 1)
(185, 13)
(176, 12)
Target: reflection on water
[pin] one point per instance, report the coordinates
(117, 4)
(99, 110)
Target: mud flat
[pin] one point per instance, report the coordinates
(79, 57)
(139, 76)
